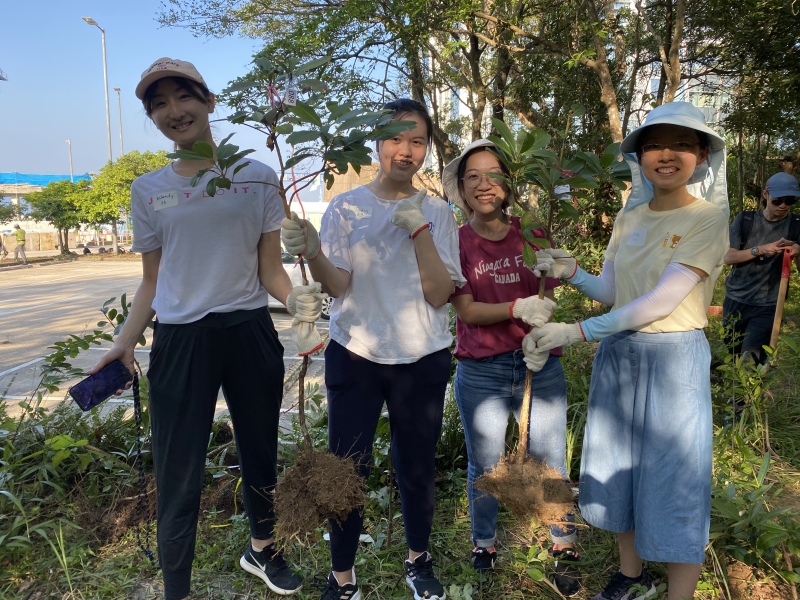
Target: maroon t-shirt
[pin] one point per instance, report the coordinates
(495, 273)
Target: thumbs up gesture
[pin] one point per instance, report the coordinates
(408, 213)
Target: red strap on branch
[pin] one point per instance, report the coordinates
(787, 263)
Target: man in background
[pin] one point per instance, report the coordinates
(19, 233)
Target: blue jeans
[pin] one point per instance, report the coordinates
(486, 391)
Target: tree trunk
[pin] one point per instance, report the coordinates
(673, 66)
(114, 238)
(64, 241)
(740, 173)
(634, 75)
(608, 93)
(503, 67)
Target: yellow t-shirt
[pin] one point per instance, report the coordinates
(20, 235)
(644, 242)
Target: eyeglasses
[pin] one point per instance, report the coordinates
(787, 200)
(473, 180)
(677, 147)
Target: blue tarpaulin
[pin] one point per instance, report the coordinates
(30, 179)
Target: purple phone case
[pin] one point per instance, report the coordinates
(91, 391)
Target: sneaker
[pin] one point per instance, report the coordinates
(334, 591)
(270, 566)
(483, 559)
(566, 575)
(619, 588)
(421, 580)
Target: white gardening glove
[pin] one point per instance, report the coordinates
(533, 310)
(565, 266)
(544, 263)
(304, 302)
(306, 337)
(553, 335)
(299, 237)
(534, 357)
(408, 213)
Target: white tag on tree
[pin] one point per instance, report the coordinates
(290, 95)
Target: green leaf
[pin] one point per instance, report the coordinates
(240, 86)
(505, 133)
(299, 137)
(211, 187)
(578, 109)
(388, 131)
(312, 64)
(59, 456)
(185, 155)
(203, 149)
(528, 255)
(535, 573)
(762, 472)
(284, 129)
(305, 113)
(142, 341)
(526, 222)
(296, 159)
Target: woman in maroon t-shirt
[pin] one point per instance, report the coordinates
(495, 309)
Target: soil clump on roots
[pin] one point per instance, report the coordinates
(529, 488)
(305, 498)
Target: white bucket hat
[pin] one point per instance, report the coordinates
(450, 174)
(708, 182)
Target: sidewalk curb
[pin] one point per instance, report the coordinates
(15, 267)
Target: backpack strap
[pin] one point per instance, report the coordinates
(745, 227)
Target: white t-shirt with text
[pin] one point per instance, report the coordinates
(209, 245)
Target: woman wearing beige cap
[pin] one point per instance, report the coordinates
(208, 265)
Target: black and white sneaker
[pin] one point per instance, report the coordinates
(270, 566)
(483, 559)
(334, 591)
(628, 588)
(421, 580)
(566, 576)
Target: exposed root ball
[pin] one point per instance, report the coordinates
(318, 486)
(530, 489)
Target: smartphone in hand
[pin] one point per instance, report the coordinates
(96, 388)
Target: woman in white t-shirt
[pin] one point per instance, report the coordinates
(389, 256)
(208, 265)
(647, 448)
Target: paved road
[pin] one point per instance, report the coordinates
(45, 304)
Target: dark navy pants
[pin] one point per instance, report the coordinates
(414, 394)
(240, 352)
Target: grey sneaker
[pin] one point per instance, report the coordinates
(628, 588)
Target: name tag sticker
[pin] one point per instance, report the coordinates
(359, 212)
(164, 200)
(637, 237)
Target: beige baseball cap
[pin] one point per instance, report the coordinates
(167, 67)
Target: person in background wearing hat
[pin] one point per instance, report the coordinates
(213, 327)
(19, 233)
(496, 308)
(758, 240)
(647, 447)
(388, 253)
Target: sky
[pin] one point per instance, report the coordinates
(54, 64)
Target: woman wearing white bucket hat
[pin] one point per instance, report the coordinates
(646, 463)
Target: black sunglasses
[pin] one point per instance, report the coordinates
(787, 200)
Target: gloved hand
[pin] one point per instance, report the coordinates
(408, 213)
(534, 357)
(306, 337)
(544, 263)
(565, 266)
(533, 310)
(299, 237)
(553, 335)
(304, 302)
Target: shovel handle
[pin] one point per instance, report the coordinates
(784, 285)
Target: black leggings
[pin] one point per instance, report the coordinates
(239, 351)
(414, 394)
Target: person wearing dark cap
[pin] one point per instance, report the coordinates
(758, 239)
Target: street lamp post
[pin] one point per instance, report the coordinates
(119, 112)
(91, 21)
(71, 175)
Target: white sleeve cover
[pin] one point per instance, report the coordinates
(602, 289)
(672, 288)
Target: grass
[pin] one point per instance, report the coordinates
(80, 559)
